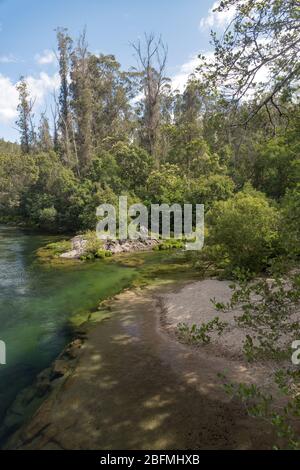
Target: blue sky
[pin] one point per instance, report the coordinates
(27, 39)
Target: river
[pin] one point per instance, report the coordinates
(37, 301)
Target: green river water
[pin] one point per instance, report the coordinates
(37, 301)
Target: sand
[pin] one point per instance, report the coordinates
(132, 385)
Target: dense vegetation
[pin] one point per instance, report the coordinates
(116, 132)
(230, 140)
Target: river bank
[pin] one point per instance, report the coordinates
(44, 301)
(127, 383)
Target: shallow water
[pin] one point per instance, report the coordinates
(37, 301)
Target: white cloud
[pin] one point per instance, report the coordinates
(41, 86)
(180, 79)
(6, 59)
(217, 19)
(8, 100)
(47, 57)
(39, 89)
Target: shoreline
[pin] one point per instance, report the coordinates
(136, 332)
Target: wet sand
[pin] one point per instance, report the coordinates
(134, 386)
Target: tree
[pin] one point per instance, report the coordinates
(45, 142)
(64, 44)
(134, 165)
(81, 102)
(166, 185)
(25, 120)
(152, 58)
(290, 222)
(112, 90)
(259, 52)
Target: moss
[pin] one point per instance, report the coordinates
(54, 249)
(130, 260)
(91, 317)
(171, 244)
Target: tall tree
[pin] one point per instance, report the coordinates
(152, 59)
(112, 90)
(81, 102)
(25, 119)
(45, 142)
(64, 44)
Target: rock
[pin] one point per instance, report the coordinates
(72, 254)
(59, 369)
(114, 246)
(78, 248)
(79, 243)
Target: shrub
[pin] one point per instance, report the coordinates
(290, 222)
(246, 227)
(94, 244)
(103, 254)
(200, 334)
(172, 244)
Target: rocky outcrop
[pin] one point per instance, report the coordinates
(79, 246)
(125, 246)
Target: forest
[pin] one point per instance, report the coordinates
(227, 141)
(230, 140)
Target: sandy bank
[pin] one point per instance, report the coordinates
(193, 304)
(134, 386)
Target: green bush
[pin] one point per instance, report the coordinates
(246, 226)
(290, 222)
(103, 254)
(94, 244)
(171, 244)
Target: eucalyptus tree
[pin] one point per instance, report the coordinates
(25, 118)
(45, 141)
(258, 54)
(152, 59)
(112, 91)
(64, 45)
(81, 103)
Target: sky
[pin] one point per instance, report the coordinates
(27, 40)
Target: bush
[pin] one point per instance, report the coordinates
(103, 254)
(47, 217)
(94, 244)
(246, 227)
(208, 189)
(171, 244)
(290, 222)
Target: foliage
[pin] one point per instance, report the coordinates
(268, 309)
(200, 334)
(166, 185)
(262, 36)
(290, 222)
(260, 404)
(172, 244)
(106, 140)
(246, 226)
(134, 165)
